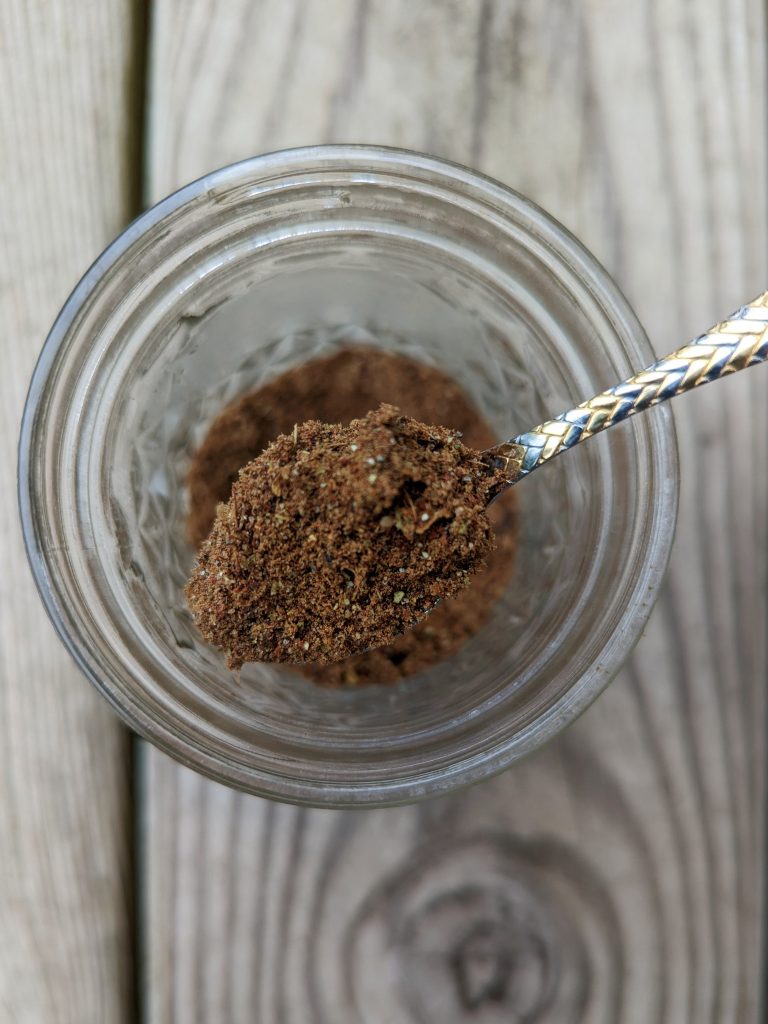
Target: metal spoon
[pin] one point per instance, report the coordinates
(734, 344)
(231, 622)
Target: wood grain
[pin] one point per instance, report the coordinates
(66, 182)
(617, 875)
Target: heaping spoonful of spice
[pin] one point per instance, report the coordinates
(338, 539)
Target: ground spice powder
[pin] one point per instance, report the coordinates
(337, 388)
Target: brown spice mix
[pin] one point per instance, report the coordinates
(336, 540)
(337, 388)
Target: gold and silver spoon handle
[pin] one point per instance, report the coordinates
(734, 344)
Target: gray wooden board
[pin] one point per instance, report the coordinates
(616, 875)
(66, 183)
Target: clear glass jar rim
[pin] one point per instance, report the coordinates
(345, 158)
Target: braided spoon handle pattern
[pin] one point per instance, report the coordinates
(733, 344)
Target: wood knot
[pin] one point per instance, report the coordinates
(482, 966)
(494, 945)
(486, 928)
(500, 963)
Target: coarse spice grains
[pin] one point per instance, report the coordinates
(337, 540)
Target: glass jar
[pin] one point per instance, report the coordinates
(253, 269)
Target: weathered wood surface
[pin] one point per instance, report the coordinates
(617, 875)
(66, 186)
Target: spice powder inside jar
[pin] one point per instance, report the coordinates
(336, 389)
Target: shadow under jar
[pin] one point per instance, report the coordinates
(234, 279)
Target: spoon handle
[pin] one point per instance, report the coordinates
(733, 344)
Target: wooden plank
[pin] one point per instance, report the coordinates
(617, 875)
(66, 180)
